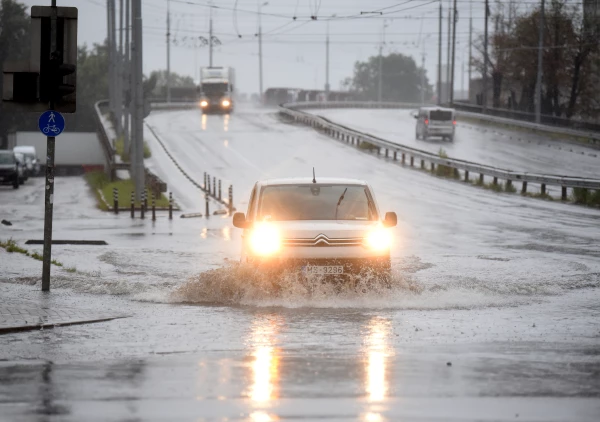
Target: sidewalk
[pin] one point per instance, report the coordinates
(22, 315)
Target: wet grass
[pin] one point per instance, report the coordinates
(103, 187)
(367, 146)
(589, 197)
(120, 149)
(445, 171)
(71, 269)
(11, 247)
(538, 195)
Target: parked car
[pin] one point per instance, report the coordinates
(10, 169)
(435, 121)
(330, 227)
(33, 164)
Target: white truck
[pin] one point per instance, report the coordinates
(217, 89)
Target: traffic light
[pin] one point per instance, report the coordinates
(58, 65)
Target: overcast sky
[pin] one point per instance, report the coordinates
(293, 50)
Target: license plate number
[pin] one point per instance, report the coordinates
(323, 269)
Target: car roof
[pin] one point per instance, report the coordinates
(6, 151)
(24, 148)
(309, 180)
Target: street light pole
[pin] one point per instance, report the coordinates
(260, 65)
(169, 51)
(439, 76)
(380, 83)
(453, 54)
(485, 56)
(327, 64)
(538, 84)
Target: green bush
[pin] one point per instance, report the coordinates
(583, 196)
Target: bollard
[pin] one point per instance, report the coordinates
(481, 178)
(219, 189)
(214, 186)
(145, 196)
(543, 189)
(170, 205)
(564, 193)
(207, 206)
(412, 161)
(495, 180)
(132, 205)
(524, 189)
(116, 200)
(142, 208)
(153, 208)
(230, 204)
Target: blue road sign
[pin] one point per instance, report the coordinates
(51, 123)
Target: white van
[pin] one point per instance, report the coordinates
(30, 154)
(435, 121)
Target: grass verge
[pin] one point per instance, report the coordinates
(367, 146)
(587, 197)
(120, 149)
(12, 247)
(445, 171)
(104, 187)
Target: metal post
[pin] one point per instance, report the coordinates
(524, 188)
(439, 77)
(540, 57)
(508, 184)
(139, 101)
(142, 208)
(495, 182)
(169, 51)
(395, 155)
(422, 164)
(455, 13)
(109, 35)
(380, 81)
(210, 39)
(543, 188)
(118, 72)
(127, 81)
(204, 181)
(132, 205)
(327, 64)
(485, 57)
(49, 197)
(214, 186)
(260, 65)
(145, 195)
(208, 184)
(412, 161)
(230, 204)
(470, 47)
(219, 189)
(432, 167)
(153, 208)
(207, 207)
(466, 175)
(564, 193)
(170, 205)
(115, 200)
(481, 178)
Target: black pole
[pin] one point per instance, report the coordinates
(439, 86)
(485, 57)
(455, 13)
(170, 205)
(50, 142)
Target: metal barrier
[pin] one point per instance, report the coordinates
(592, 137)
(355, 137)
(105, 143)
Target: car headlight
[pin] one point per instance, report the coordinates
(203, 103)
(265, 239)
(226, 103)
(379, 239)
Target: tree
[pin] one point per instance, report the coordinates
(14, 45)
(401, 79)
(160, 82)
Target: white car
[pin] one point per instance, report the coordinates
(435, 121)
(330, 227)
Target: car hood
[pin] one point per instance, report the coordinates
(340, 229)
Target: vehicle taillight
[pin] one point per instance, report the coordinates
(426, 121)
(454, 122)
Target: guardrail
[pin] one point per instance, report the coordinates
(105, 143)
(391, 149)
(592, 137)
(545, 119)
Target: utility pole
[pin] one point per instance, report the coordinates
(380, 83)
(210, 40)
(448, 54)
(127, 80)
(538, 84)
(455, 13)
(118, 73)
(423, 77)
(169, 50)
(327, 64)
(439, 76)
(260, 64)
(470, 44)
(109, 36)
(485, 56)
(121, 67)
(138, 121)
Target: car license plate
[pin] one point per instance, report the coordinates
(323, 269)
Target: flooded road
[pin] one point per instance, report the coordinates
(493, 314)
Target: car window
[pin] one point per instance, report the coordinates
(7, 159)
(440, 115)
(315, 202)
(251, 207)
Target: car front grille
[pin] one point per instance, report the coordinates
(323, 241)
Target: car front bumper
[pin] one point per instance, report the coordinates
(379, 264)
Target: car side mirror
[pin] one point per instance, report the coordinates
(390, 220)
(239, 221)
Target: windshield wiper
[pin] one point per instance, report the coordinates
(339, 202)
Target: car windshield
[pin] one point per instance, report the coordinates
(315, 202)
(214, 88)
(7, 159)
(440, 115)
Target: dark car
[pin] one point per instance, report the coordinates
(10, 169)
